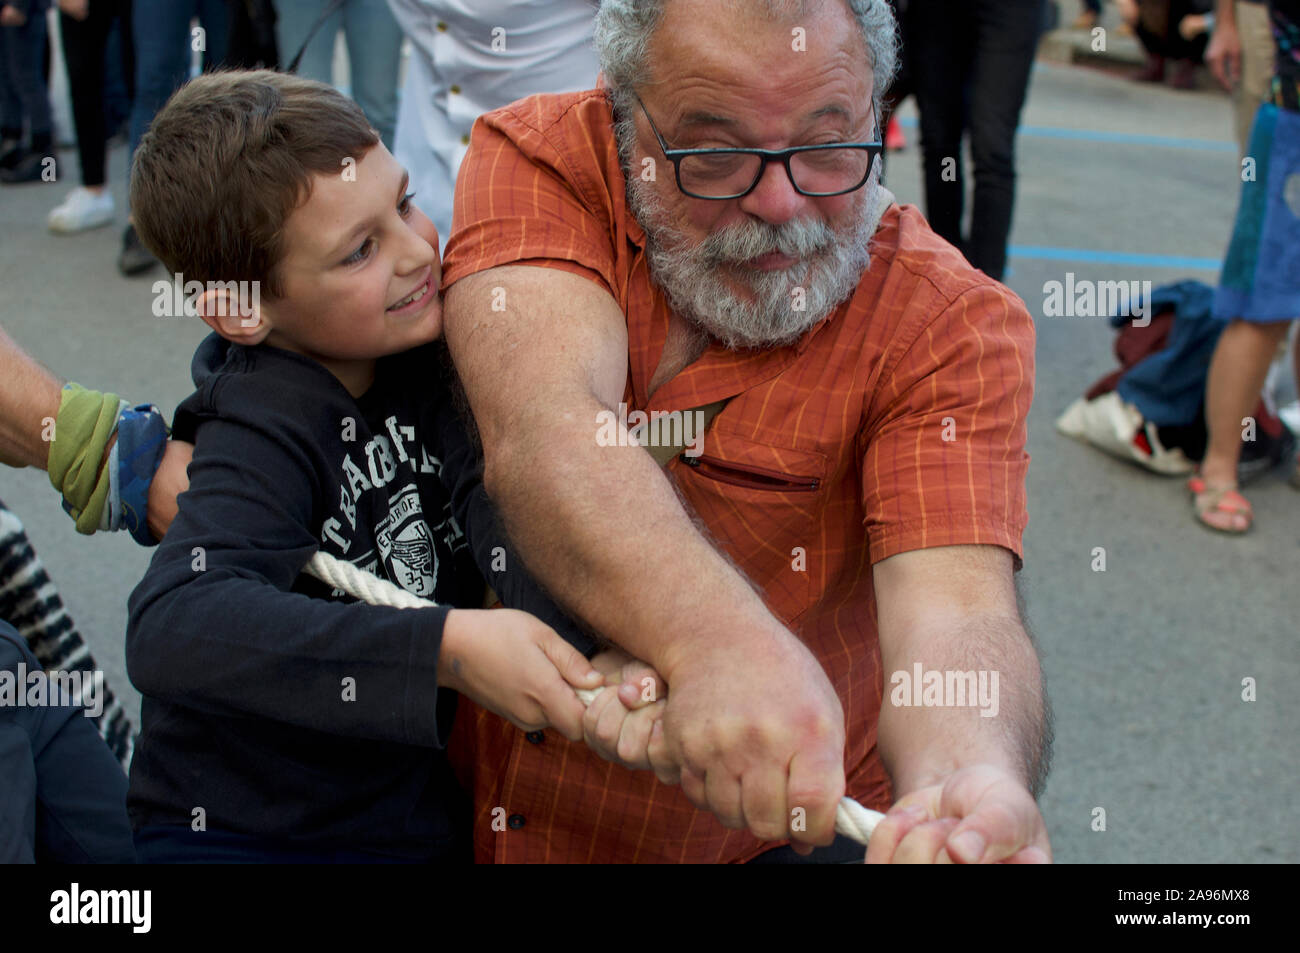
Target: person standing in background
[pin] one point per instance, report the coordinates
(970, 62)
(374, 43)
(1170, 30)
(1088, 16)
(1240, 55)
(24, 99)
(85, 27)
(470, 58)
(165, 41)
(1259, 288)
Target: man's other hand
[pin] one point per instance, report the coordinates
(978, 814)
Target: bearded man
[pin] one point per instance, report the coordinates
(707, 229)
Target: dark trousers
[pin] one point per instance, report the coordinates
(969, 63)
(85, 45)
(62, 793)
(23, 94)
(840, 851)
(1157, 28)
(163, 43)
(173, 844)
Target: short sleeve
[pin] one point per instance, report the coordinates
(944, 459)
(534, 188)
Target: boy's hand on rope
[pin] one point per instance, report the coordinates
(977, 814)
(619, 721)
(515, 665)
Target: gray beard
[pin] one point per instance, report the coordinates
(783, 304)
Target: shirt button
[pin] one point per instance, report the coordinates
(535, 737)
(455, 89)
(442, 27)
(516, 821)
(464, 140)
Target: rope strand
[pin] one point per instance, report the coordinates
(851, 819)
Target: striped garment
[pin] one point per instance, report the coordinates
(31, 604)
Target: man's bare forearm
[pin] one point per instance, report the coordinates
(600, 527)
(1008, 725)
(29, 402)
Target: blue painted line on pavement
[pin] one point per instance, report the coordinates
(1120, 138)
(1097, 257)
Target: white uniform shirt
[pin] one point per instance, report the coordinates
(469, 57)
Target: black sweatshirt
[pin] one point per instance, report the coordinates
(280, 708)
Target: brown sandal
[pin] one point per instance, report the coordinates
(1219, 499)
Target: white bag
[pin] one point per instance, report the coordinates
(1117, 427)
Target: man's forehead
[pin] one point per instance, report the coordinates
(701, 51)
(709, 31)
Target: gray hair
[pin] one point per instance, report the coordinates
(624, 29)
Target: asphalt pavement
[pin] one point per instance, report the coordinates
(1144, 661)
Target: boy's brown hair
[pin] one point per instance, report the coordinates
(228, 159)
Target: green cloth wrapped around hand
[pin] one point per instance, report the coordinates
(86, 423)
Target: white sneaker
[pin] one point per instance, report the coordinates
(82, 210)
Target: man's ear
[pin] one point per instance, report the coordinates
(236, 320)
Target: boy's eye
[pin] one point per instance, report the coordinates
(361, 254)
(404, 206)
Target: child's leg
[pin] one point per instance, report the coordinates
(1237, 374)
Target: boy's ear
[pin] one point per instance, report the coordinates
(240, 322)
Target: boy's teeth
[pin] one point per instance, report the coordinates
(413, 296)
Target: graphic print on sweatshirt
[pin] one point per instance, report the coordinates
(382, 477)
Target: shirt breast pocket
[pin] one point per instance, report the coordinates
(763, 505)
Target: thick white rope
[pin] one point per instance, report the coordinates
(851, 819)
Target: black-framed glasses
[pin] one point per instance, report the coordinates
(816, 171)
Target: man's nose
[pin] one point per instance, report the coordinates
(774, 199)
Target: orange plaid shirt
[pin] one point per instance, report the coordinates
(897, 423)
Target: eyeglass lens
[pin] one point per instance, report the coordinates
(820, 171)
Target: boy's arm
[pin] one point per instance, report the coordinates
(213, 625)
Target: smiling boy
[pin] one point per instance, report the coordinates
(282, 720)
